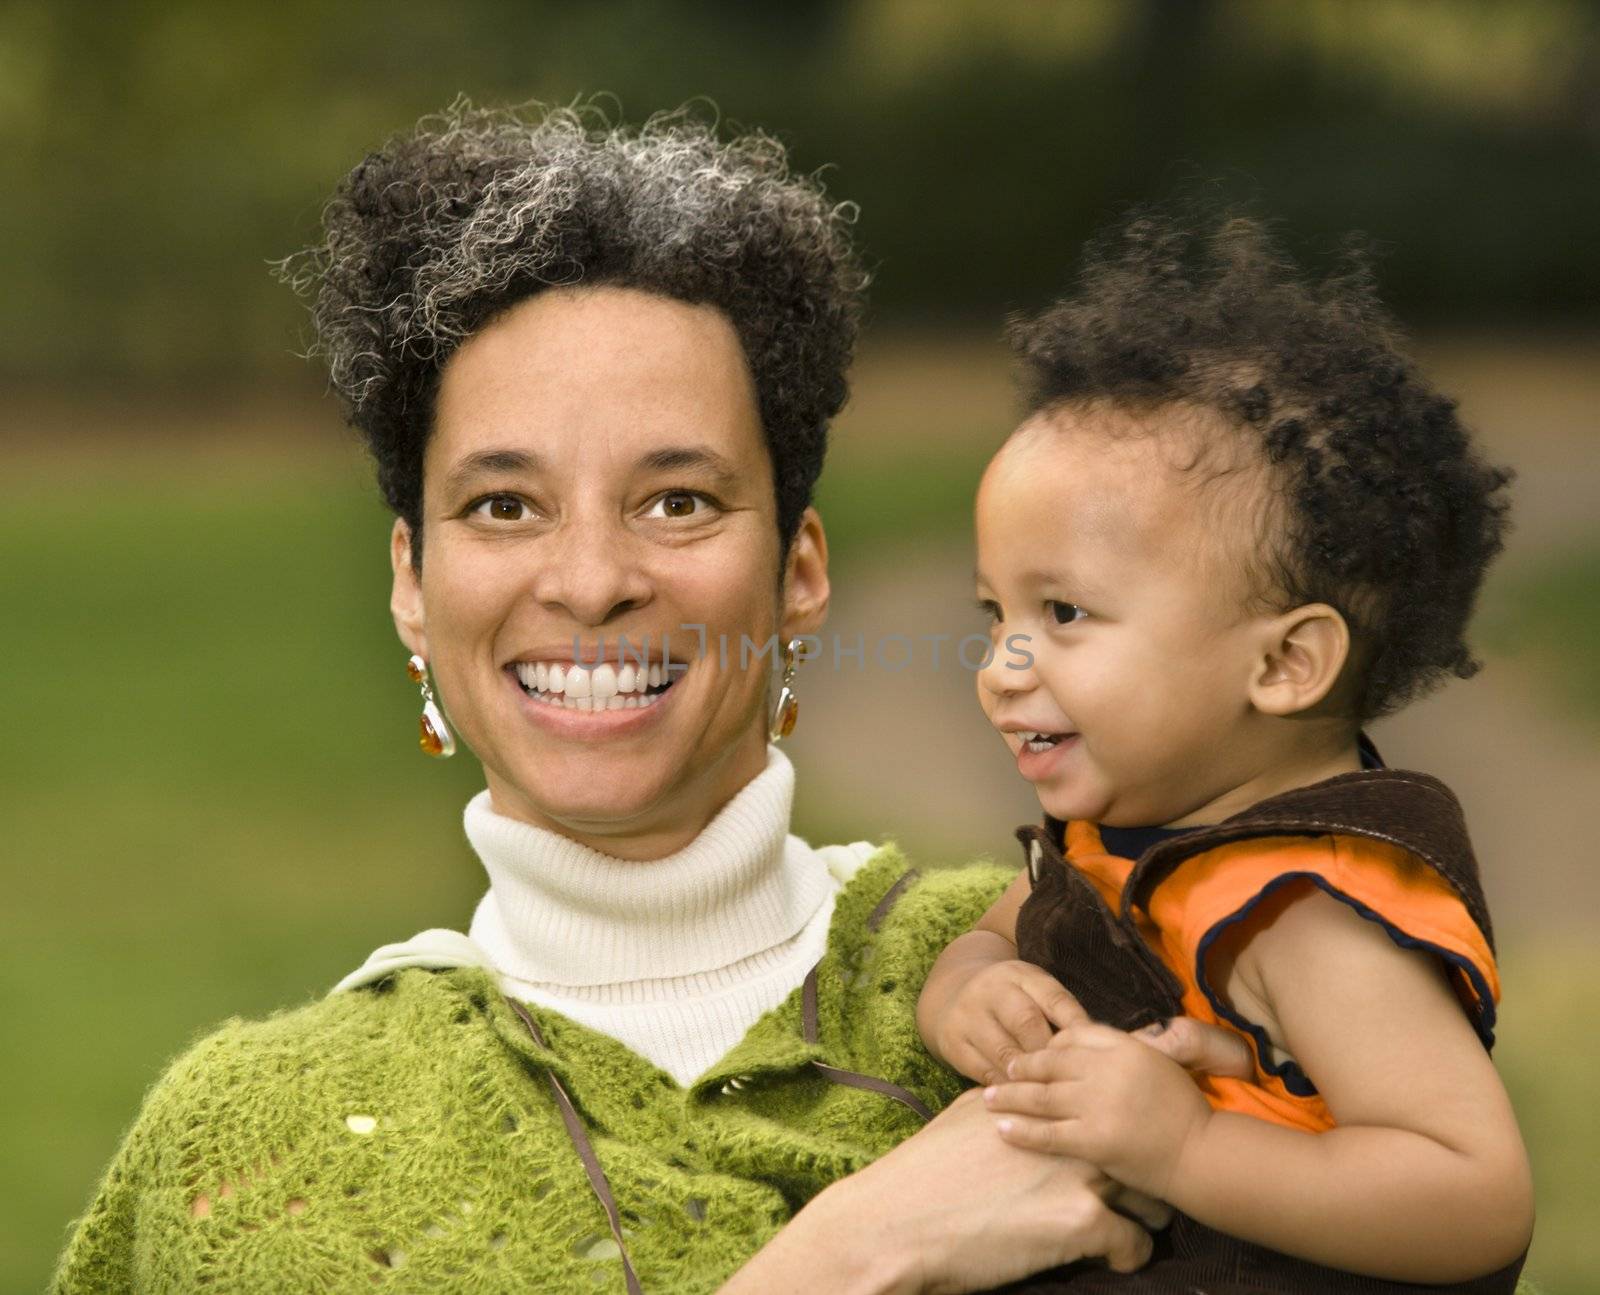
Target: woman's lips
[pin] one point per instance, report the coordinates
(567, 721)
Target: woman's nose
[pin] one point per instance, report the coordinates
(591, 572)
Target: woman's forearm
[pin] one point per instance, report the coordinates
(950, 1209)
(838, 1243)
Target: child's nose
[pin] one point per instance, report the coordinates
(1008, 671)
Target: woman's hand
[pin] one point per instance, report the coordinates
(952, 1209)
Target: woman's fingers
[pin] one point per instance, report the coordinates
(1194, 1045)
(975, 1212)
(1147, 1210)
(1125, 1245)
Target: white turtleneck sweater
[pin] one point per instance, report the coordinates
(674, 957)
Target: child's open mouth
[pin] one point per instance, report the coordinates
(1032, 741)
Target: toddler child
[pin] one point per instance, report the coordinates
(1235, 526)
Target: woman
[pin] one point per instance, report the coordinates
(596, 371)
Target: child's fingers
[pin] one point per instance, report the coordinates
(1049, 1101)
(1058, 1137)
(1086, 1033)
(969, 1061)
(1208, 1049)
(1056, 1005)
(993, 1048)
(1019, 1017)
(1048, 1065)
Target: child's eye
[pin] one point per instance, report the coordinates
(1065, 613)
(990, 608)
(501, 508)
(679, 503)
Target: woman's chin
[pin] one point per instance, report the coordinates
(580, 802)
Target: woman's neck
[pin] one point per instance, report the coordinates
(562, 912)
(676, 817)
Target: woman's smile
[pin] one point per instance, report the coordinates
(568, 700)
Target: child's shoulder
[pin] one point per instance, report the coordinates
(1388, 846)
(1392, 838)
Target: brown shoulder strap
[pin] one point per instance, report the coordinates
(808, 1016)
(1411, 810)
(580, 1143)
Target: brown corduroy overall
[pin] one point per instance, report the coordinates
(1100, 956)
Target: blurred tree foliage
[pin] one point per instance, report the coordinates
(154, 154)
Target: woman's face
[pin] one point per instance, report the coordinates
(597, 488)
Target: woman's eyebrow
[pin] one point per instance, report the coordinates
(673, 458)
(491, 461)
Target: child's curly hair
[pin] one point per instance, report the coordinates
(1391, 515)
(447, 225)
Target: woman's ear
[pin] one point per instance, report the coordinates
(805, 579)
(405, 598)
(1301, 655)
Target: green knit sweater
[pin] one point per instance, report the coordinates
(402, 1136)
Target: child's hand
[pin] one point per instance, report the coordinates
(1105, 1097)
(1002, 1011)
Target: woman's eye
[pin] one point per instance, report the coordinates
(501, 508)
(1065, 613)
(678, 503)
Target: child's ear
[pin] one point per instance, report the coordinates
(1302, 653)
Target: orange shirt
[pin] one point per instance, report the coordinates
(1232, 889)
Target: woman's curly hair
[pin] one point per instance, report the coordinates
(1386, 511)
(430, 237)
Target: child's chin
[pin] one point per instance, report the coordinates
(1067, 806)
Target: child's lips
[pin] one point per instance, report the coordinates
(1039, 759)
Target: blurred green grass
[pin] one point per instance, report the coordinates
(1551, 617)
(213, 804)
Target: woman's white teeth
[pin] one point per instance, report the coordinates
(599, 687)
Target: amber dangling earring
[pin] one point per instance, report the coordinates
(788, 710)
(436, 739)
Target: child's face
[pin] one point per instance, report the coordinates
(1128, 579)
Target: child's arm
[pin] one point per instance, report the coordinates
(1425, 1178)
(981, 1006)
